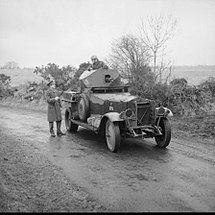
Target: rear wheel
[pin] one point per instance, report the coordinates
(164, 139)
(112, 136)
(70, 126)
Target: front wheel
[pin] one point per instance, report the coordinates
(70, 126)
(164, 139)
(112, 136)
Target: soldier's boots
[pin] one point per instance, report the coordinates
(53, 134)
(59, 132)
(51, 128)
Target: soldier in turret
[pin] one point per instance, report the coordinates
(96, 63)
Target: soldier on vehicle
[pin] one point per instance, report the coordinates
(96, 63)
(54, 109)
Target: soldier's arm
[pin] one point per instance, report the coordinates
(104, 65)
(90, 67)
(59, 93)
(50, 99)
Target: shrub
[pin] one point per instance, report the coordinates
(4, 86)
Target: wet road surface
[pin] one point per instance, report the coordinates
(140, 177)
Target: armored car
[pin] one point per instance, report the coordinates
(105, 106)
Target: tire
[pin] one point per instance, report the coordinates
(83, 108)
(112, 136)
(164, 140)
(70, 126)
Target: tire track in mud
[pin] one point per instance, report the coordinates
(206, 155)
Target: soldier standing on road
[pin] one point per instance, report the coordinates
(96, 63)
(54, 109)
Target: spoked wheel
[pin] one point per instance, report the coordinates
(164, 139)
(70, 126)
(112, 136)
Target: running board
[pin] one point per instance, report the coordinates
(83, 124)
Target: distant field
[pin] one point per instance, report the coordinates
(21, 76)
(193, 74)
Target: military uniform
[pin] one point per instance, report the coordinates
(99, 64)
(54, 111)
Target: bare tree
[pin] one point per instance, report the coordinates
(155, 33)
(128, 55)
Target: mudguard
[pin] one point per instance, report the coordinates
(165, 112)
(113, 116)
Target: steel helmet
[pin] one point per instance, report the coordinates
(94, 57)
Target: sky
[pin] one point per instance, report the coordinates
(68, 32)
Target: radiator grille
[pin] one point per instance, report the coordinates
(145, 113)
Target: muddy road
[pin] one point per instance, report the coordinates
(139, 178)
